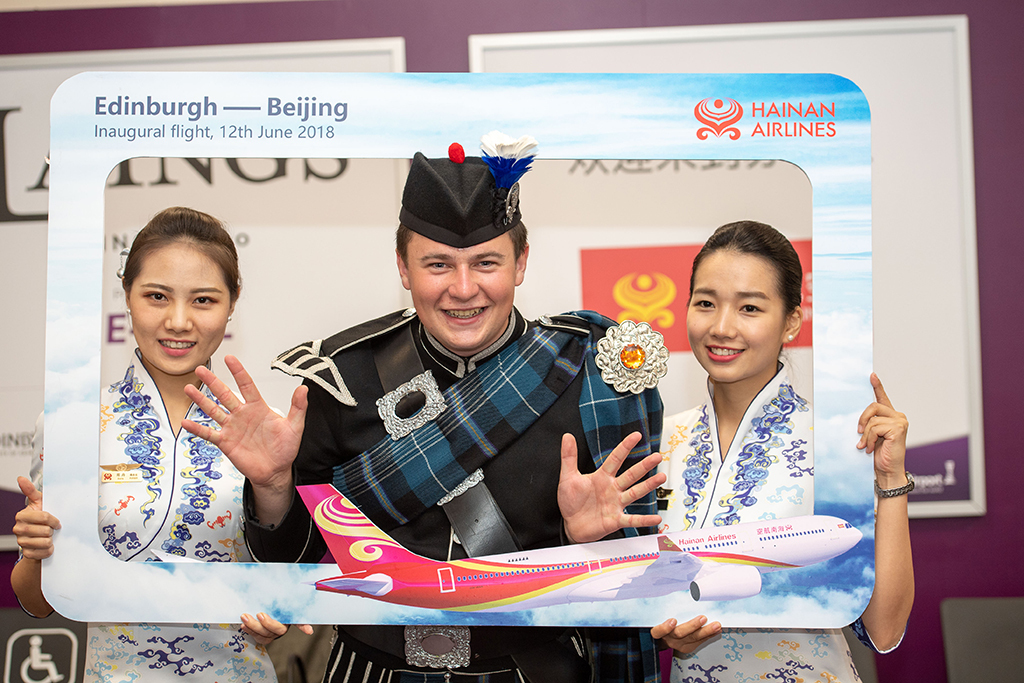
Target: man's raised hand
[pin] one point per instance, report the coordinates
(593, 505)
(260, 443)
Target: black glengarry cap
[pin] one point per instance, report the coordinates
(464, 201)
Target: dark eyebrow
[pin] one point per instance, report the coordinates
(707, 291)
(484, 256)
(489, 256)
(197, 290)
(439, 256)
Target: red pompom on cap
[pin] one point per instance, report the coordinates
(456, 153)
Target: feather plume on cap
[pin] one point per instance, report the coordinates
(507, 157)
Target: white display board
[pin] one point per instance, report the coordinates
(916, 77)
(139, 189)
(657, 117)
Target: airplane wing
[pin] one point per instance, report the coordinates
(671, 558)
(673, 564)
(672, 571)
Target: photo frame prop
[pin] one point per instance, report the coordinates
(100, 119)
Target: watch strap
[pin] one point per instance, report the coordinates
(898, 491)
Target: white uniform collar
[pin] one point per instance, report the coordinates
(768, 392)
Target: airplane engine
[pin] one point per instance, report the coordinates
(725, 582)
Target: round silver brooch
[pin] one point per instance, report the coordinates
(632, 357)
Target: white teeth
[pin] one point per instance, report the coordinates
(725, 352)
(464, 314)
(177, 344)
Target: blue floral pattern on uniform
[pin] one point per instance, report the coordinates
(196, 472)
(788, 673)
(795, 454)
(706, 674)
(142, 446)
(112, 542)
(820, 643)
(698, 464)
(861, 632)
(173, 656)
(733, 646)
(756, 456)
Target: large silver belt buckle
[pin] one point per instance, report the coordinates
(437, 647)
(398, 427)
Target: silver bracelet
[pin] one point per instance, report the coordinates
(898, 491)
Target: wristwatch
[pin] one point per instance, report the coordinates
(898, 491)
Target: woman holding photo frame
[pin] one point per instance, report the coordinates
(745, 454)
(165, 495)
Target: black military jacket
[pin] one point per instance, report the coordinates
(523, 479)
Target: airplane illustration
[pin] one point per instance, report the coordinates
(723, 563)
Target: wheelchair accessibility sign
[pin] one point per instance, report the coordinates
(41, 655)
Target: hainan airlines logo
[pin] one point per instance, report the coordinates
(645, 298)
(649, 284)
(719, 117)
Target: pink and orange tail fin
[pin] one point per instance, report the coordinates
(356, 543)
(665, 545)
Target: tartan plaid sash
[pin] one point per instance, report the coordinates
(396, 481)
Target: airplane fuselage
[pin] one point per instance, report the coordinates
(719, 563)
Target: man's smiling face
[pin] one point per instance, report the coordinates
(463, 296)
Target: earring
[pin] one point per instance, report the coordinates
(790, 337)
(229, 318)
(124, 261)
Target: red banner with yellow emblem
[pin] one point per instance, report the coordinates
(652, 285)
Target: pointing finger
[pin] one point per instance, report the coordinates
(880, 394)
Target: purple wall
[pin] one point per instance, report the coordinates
(961, 557)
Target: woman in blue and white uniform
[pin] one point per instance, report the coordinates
(164, 493)
(746, 454)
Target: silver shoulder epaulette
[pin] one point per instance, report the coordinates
(306, 362)
(566, 323)
(315, 360)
